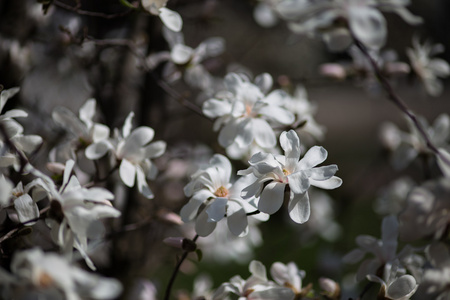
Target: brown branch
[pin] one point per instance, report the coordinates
(397, 101)
(177, 268)
(78, 10)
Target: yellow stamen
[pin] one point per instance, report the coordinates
(221, 192)
(45, 280)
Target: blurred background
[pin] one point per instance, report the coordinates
(65, 56)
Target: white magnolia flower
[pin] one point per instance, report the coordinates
(364, 19)
(6, 187)
(288, 276)
(83, 129)
(427, 68)
(34, 270)
(275, 173)
(406, 146)
(257, 286)
(24, 143)
(211, 186)
(384, 249)
(395, 284)
(170, 18)
(134, 150)
(245, 113)
(187, 61)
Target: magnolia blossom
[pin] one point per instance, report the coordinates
(211, 186)
(427, 68)
(275, 173)
(245, 113)
(406, 146)
(288, 276)
(364, 19)
(134, 150)
(83, 129)
(384, 249)
(395, 284)
(257, 286)
(24, 143)
(39, 274)
(187, 61)
(170, 18)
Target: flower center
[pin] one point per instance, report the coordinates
(286, 172)
(44, 280)
(221, 192)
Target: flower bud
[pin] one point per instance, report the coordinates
(330, 288)
(335, 71)
(176, 242)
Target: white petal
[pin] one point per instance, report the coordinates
(181, 54)
(127, 172)
(290, 143)
(171, 19)
(272, 197)
(87, 112)
(142, 184)
(97, 150)
(28, 143)
(368, 25)
(155, 149)
(264, 81)
(227, 134)
(237, 219)
(329, 184)
(298, 182)
(26, 209)
(404, 286)
(100, 132)
(277, 114)
(315, 155)
(189, 210)
(263, 134)
(6, 188)
(323, 173)
(214, 108)
(217, 209)
(6, 94)
(299, 208)
(202, 226)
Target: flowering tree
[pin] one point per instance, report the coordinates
(133, 150)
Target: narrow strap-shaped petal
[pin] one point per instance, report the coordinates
(299, 207)
(127, 172)
(313, 157)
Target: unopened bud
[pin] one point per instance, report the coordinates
(176, 242)
(333, 70)
(170, 217)
(330, 288)
(57, 168)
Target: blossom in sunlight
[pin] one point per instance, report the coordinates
(77, 213)
(245, 113)
(134, 150)
(275, 173)
(211, 187)
(364, 19)
(407, 146)
(395, 285)
(24, 143)
(427, 68)
(288, 275)
(257, 286)
(83, 129)
(384, 249)
(41, 274)
(170, 18)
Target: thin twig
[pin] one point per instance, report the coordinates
(79, 11)
(175, 271)
(398, 101)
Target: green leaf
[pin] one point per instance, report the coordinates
(199, 254)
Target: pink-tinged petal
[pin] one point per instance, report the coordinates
(203, 226)
(171, 19)
(127, 172)
(323, 173)
(214, 108)
(315, 155)
(272, 197)
(189, 210)
(328, 184)
(299, 208)
(263, 133)
(142, 184)
(290, 143)
(237, 219)
(298, 182)
(217, 209)
(155, 149)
